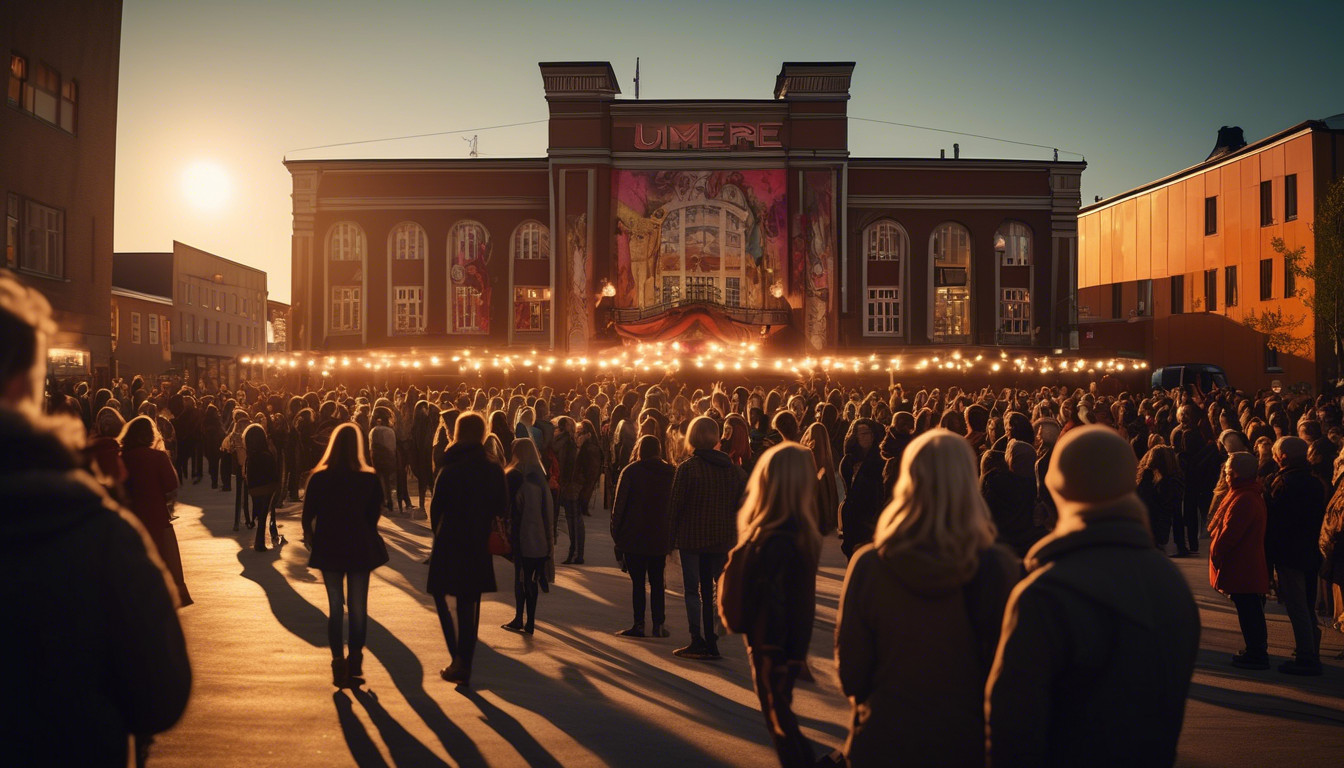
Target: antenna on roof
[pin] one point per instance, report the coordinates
(472, 143)
(636, 78)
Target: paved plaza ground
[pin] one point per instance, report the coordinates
(575, 694)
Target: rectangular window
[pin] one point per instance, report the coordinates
(1230, 292)
(191, 295)
(883, 311)
(1272, 360)
(116, 321)
(244, 307)
(408, 309)
(1117, 298)
(154, 329)
(1015, 312)
(200, 330)
(233, 303)
(1211, 215)
(531, 308)
(1145, 297)
(1290, 197)
(43, 240)
(11, 230)
(345, 309)
(671, 289)
(18, 77)
(1177, 294)
(135, 327)
(68, 93)
(165, 333)
(186, 328)
(218, 339)
(45, 89)
(1266, 279)
(1211, 290)
(1266, 203)
(732, 292)
(1289, 279)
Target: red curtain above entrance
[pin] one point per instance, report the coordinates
(693, 323)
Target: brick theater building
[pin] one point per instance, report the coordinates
(724, 220)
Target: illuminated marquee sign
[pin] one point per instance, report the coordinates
(709, 136)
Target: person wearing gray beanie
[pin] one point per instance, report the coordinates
(1099, 641)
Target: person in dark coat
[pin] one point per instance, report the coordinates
(1103, 623)
(780, 543)
(861, 472)
(641, 529)
(1296, 509)
(571, 482)
(920, 613)
(531, 532)
(1237, 565)
(706, 491)
(95, 650)
(263, 483)
(1199, 464)
(469, 493)
(341, 506)
(1161, 487)
(892, 448)
(212, 434)
(1011, 495)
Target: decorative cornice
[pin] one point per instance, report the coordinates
(432, 203)
(965, 202)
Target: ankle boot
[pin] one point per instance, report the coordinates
(354, 664)
(340, 675)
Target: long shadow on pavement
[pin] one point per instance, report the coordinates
(405, 748)
(1260, 703)
(357, 739)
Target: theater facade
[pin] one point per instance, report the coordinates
(711, 220)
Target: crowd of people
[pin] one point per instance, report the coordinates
(1008, 590)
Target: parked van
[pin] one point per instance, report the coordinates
(1203, 375)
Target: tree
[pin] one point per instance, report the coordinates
(1278, 328)
(1325, 270)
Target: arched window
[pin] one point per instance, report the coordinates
(885, 251)
(408, 241)
(1012, 244)
(950, 254)
(345, 242)
(704, 255)
(531, 241)
(469, 278)
(346, 251)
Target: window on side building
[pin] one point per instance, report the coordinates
(1266, 279)
(1290, 197)
(1177, 294)
(1211, 290)
(1266, 203)
(1230, 292)
(1211, 215)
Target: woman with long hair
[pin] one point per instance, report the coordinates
(531, 532)
(818, 441)
(469, 492)
(778, 537)
(151, 489)
(341, 506)
(920, 612)
(641, 529)
(263, 482)
(1161, 486)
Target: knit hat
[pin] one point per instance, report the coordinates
(1093, 470)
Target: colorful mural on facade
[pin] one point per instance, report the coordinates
(579, 263)
(712, 237)
(470, 277)
(814, 252)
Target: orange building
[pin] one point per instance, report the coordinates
(1170, 270)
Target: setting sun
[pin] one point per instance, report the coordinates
(206, 185)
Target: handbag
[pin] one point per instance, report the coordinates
(499, 543)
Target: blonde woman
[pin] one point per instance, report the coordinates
(817, 440)
(920, 613)
(778, 536)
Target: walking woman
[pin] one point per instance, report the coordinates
(235, 453)
(531, 532)
(151, 488)
(641, 529)
(816, 439)
(263, 482)
(920, 612)
(341, 507)
(469, 492)
(778, 536)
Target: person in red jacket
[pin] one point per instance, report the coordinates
(1237, 566)
(151, 488)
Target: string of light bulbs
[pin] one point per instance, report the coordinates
(674, 357)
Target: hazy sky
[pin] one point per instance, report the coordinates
(220, 92)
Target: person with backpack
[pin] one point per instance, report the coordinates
(920, 613)
(768, 591)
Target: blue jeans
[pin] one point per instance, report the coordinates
(347, 592)
(700, 575)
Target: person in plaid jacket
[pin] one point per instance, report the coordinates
(706, 492)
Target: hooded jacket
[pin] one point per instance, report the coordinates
(1098, 647)
(909, 654)
(95, 647)
(1237, 549)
